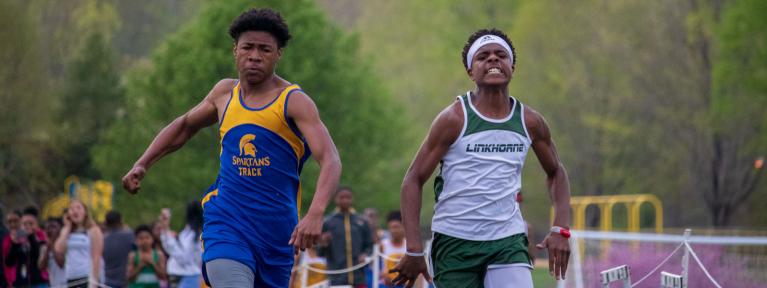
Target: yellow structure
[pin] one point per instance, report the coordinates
(632, 202)
(97, 195)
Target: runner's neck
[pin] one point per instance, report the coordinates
(264, 88)
(492, 101)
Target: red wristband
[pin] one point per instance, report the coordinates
(561, 231)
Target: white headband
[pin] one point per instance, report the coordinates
(484, 40)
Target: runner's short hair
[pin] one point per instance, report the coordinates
(482, 32)
(263, 19)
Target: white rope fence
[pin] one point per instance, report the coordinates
(659, 265)
(373, 260)
(340, 271)
(303, 267)
(683, 240)
(694, 256)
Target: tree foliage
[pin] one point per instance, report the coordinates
(24, 153)
(92, 94)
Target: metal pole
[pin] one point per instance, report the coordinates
(304, 271)
(686, 258)
(376, 265)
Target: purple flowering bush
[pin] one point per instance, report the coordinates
(729, 266)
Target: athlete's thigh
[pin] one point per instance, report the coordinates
(225, 273)
(508, 276)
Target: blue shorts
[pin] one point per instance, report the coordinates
(266, 274)
(271, 266)
(259, 241)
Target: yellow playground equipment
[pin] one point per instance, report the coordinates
(97, 195)
(605, 204)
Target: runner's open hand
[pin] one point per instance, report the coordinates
(559, 254)
(408, 269)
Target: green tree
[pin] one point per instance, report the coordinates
(90, 101)
(91, 93)
(24, 142)
(364, 121)
(737, 109)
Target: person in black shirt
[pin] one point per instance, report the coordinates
(25, 252)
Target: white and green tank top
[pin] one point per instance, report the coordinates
(481, 175)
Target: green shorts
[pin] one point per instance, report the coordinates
(463, 263)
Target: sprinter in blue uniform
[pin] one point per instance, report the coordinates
(268, 126)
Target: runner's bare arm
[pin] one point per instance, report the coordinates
(176, 134)
(559, 191)
(304, 113)
(443, 132)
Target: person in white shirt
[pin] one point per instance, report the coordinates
(184, 249)
(79, 247)
(392, 248)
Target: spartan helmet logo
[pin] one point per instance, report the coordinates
(247, 148)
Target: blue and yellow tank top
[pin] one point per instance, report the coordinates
(262, 154)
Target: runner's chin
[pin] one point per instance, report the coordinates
(254, 75)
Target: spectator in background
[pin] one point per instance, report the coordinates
(185, 249)
(118, 242)
(340, 229)
(392, 248)
(79, 247)
(371, 214)
(30, 216)
(376, 233)
(57, 277)
(146, 265)
(13, 220)
(25, 252)
(157, 229)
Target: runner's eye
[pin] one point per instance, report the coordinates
(266, 48)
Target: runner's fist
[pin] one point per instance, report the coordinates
(132, 180)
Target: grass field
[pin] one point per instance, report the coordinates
(542, 279)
